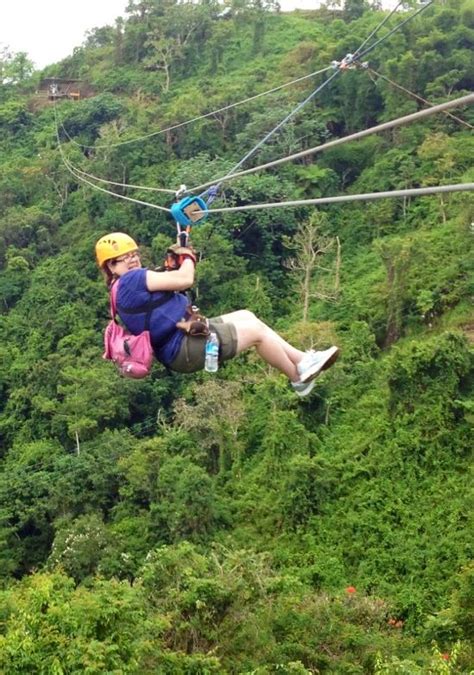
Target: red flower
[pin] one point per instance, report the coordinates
(395, 623)
(350, 590)
(445, 656)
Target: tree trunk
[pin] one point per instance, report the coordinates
(337, 276)
(443, 208)
(306, 292)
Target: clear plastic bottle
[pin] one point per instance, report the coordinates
(211, 363)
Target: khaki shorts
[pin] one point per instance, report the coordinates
(191, 354)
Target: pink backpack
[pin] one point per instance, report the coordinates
(132, 354)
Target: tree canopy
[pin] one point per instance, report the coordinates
(218, 524)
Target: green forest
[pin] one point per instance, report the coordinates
(216, 523)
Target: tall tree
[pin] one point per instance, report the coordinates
(311, 247)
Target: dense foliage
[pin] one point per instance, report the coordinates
(218, 524)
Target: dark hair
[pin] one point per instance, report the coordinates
(107, 274)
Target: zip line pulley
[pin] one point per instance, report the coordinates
(188, 210)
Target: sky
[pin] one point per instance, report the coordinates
(48, 30)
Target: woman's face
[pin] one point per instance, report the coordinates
(124, 263)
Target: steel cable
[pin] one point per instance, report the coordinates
(410, 192)
(399, 121)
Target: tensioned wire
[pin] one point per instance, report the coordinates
(464, 100)
(280, 124)
(397, 27)
(153, 189)
(217, 182)
(410, 192)
(399, 121)
(115, 194)
(72, 170)
(411, 93)
(199, 117)
(293, 112)
(231, 105)
(233, 171)
(128, 185)
(331, 143)
(167, 190)
(377, 28)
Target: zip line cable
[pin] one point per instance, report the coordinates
(115, 194)
(466, 100)
(399, 121)
(377, 28)
(215, 185)
(298, 107)
(199, 117)
(233, 171)
(323, 200)
(128, 185)
(284, 121)
(411, 192)
(165, 190)
(213, 188)
(72, 170)
(411, 93)
(249, 154)
(397, 27)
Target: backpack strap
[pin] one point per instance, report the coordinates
(113, 299)
(146, 308)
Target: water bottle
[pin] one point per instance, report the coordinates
(211, 363)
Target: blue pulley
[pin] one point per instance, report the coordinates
(189, 210)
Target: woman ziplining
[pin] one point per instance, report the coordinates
(175, 344)
(152, 302)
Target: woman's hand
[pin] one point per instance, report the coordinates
(183, 252)
(174, 280)
(176, 254)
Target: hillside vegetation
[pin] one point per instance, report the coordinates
(217, 523)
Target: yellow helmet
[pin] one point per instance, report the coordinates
(112, 245)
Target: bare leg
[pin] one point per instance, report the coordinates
(251, 332)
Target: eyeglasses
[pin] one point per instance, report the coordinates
(126, 258)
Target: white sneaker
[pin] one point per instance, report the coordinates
(313, 363)
(303, 388)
